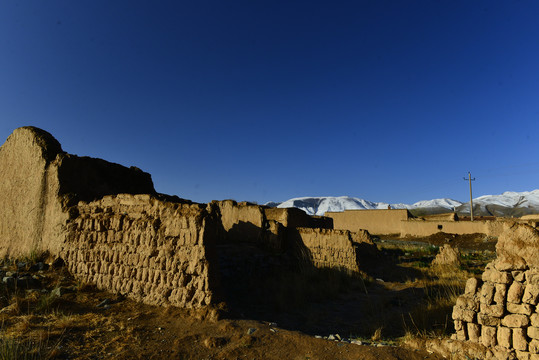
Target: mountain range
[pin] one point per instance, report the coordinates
(508, 204)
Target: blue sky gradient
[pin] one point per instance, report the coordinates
(390, 101)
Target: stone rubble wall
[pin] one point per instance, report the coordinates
(335, 249)
(149, 250)
(500, 310)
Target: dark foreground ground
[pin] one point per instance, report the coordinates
(405, 298)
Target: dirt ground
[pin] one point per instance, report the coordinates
(75, 328)
(398, 298)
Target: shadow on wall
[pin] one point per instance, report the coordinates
(288, 287)
(89, 179)
(244, 232)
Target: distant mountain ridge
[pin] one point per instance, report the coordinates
(507, 204)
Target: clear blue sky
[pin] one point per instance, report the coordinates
(262, 101)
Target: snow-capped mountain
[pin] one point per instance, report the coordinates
(507, 204)
(449, 204)
(511, 199)
(321, 205)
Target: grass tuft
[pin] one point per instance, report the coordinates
(13, 349)
(45, 303)
(432, 318)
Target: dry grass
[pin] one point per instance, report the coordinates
(377, 335)
(442, 287)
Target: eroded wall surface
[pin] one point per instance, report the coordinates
(295, 218)
(30, 211)
(113, 230)
(149, 250)
(500, 309)
(335, 249)
(241, 221)
(38, 184)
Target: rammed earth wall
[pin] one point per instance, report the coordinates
(500, 309)
(154, 251)
(39, 183)
(401, 222)
(335, 249)
(113, 230)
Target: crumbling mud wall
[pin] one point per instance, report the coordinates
(295, 218)
(152, 251)
(156, 251)
(532, 220)
(30, 211)
(500, 310)
(336, 249)
(242, 221)
(113, 230)
(267, 227)
(38, 184)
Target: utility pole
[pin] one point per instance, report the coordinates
(471, 200)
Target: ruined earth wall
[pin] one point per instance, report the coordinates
(380, 222)
(113, 230)
(500, 309)
(30, 211)
(445, 216)
(335, 249)
(38, 184)
(417, 227)
(532, 220)
(294, 218)
(399, 221)
(242, 221)
(149, 250)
